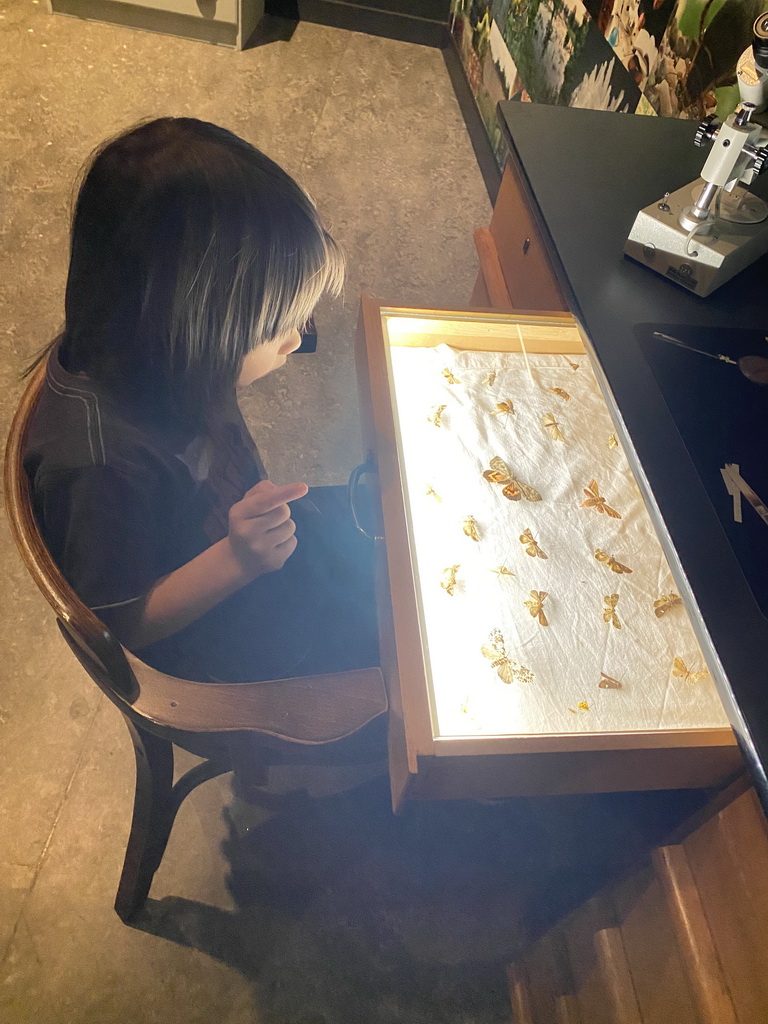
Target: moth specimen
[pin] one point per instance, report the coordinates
(536, 606)
(611, 563)
(502, 570)
(448, 582)
(608, 682)
(609, 612)
(490, 379)
(552, 427)
(531, 547)
(496, 652)
(450, 377)
(562, 393)
(613, 441)
(470, 528)
(514, 489)
(681, 671)
(582, 706)
(598, 503)
(437, 415)
(431, 492)
(573, 366)
(664, 603)
(503, 408)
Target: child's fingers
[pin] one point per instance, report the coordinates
(266, 496)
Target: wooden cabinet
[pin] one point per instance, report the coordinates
(429, 759)
(515, 271)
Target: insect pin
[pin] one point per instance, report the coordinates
(665, 603)
(681, 671)
(611, 563)
(597, 502)
(531, 547)
(552, 427)
(609, 612)
(536, 606)
(500, 473)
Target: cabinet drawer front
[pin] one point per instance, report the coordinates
(528, 273)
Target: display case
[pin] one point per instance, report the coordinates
(534, 638)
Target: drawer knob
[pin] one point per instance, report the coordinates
(526, 246)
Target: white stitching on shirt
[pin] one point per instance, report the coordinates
(67, 392)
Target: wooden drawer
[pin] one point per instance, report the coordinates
(528, 274)
(429, 759)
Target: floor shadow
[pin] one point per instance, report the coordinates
(346, 912)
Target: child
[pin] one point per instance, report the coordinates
(195, 262)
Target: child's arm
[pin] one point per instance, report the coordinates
(261, 539)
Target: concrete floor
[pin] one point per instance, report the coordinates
(330, 911)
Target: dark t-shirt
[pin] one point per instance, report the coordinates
(121, 503)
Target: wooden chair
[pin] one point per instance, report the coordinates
(328, 719)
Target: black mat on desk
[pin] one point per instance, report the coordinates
(722, 418)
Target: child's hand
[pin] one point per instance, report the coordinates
(261, 531)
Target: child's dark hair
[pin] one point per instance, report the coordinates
(189, 247)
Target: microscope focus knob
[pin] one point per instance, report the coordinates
(760, 160)
(707, 130)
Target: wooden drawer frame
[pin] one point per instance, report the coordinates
(429, 767)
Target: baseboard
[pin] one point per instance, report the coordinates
(486, 158)
(374, 21)
(148, 19)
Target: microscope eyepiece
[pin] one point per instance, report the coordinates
(760, 41)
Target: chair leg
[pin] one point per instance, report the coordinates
(154, 809)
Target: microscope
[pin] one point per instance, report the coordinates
(706, 232)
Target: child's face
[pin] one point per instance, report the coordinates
(267, 357)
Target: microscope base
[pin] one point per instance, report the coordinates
(658, 241)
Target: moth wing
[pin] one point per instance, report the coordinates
(490, 652)
(600, 555)
(696, 677)
(611, 512)
(540, 553)
(500, 466)
(529, 493)
(679, 668)
(542, 618)
(505, 671)
(608, 682)
(512, 491)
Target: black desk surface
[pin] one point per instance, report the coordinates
(587, 173)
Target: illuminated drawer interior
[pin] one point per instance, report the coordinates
(465, 391)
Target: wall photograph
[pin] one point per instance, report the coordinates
(672, 58)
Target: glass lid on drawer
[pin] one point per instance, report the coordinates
(547, 605)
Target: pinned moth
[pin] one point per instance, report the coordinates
(611, 563)
(504, 408)
(595, 500)
(502, 570)
(436, 416)
(536, 606)
(531, 547)
(582, 706)
(609, 612)
(432, 493)
(490, 379)
(608, 682)
(470, 528)
(613, 441)
(449, 581)
(450, 377)
(562, 393)
(665, 603)
(514, 489)
(552, 427)
(496, 652)
(681, 671)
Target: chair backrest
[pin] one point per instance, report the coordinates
(98, 651)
